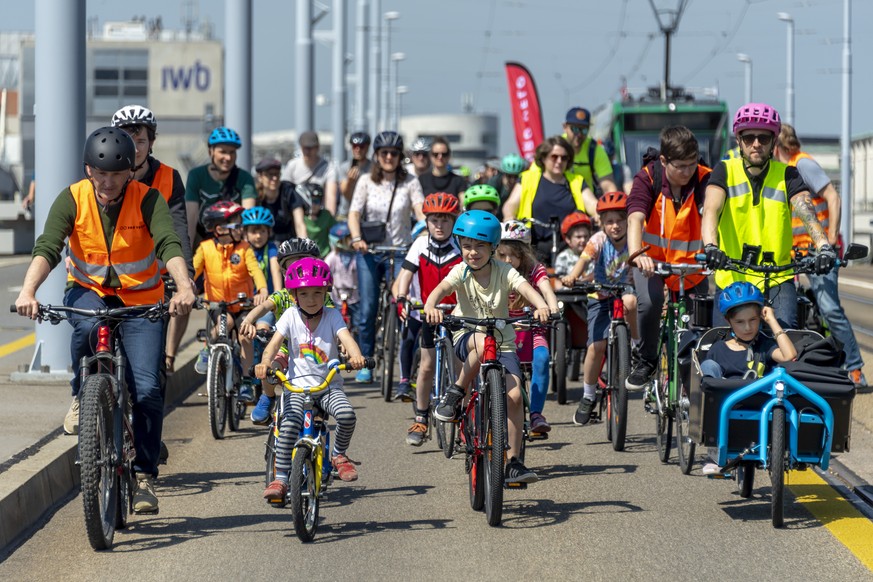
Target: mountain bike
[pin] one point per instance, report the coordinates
(311, 469)
(387, 322)
(224, 369)
(106, 443)
(483, 425)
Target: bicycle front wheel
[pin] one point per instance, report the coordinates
(389, 350)
(663, 416)
(619, 369)
(215, 386)
(302, 488)
(100, 480)
(495, 437)
(559, 359)
(685, 446)
(777, 466)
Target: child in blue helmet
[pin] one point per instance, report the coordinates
(747, 353)
(482, 286)
(258, 223)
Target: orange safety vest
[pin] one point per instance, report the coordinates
(132, 255)
(801, 237)
(162, 181)
(225, 272)
(674, 237)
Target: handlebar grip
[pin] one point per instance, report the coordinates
(370, 363)
(13, 309)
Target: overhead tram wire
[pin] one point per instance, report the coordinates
(613, 50)
(489, 33)
(719, 49)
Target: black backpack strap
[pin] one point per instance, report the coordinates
(227, 190)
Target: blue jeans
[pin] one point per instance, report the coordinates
(143, 349)
(711, 368)
(827, 295)
(783, 297)
(371, 271)
(539, 379)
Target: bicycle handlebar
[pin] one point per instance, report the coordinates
(56, 314)
(334, 366)
(594, 287)
(495, 322)
(681, 269)
(377, 249)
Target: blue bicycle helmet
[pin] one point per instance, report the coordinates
(737, 294)
(224, 135)
(337, 233)
(258, 216)
(478, 225)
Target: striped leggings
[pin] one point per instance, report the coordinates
(334, 402)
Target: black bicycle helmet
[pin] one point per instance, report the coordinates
(359, 138)
(110, 149)
(310, 193)
(388, 139)
(297, 246)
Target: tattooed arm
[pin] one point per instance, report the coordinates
(801, 206)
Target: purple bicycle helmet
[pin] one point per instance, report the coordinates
(757, 116)
(308, 272)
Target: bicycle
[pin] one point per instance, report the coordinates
(311, 469)
(569, 340)
(483, 425)
(613, 391)
(554, 226)
(224, 370)
(668, 391)
(387, 328)
(106, 440)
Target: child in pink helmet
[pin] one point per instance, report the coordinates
(310, 330)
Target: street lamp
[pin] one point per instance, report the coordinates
(747, 60)
(395, 71)
(401, 91)
(386, 81)
(789, 87)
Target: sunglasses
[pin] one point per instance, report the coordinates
(762, 138)
(577, 129)
(439, 155)
(232, 226)
(559, 157)
(419, 154)
(389, 153)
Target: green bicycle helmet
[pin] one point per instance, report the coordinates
(481, 193)
(513, 164)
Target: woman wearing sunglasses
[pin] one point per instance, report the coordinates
(549, 188)
(386, 198)
(763, 194)
(440, 178)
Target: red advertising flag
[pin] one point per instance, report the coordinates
(526, 114)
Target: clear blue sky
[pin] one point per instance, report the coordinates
(577, 51)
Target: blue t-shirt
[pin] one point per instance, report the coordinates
(264, 261)
(550, 200)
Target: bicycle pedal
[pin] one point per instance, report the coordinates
(721, 476)
(538, 436)
(514, 485)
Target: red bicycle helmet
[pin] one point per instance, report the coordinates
(219, 213)
(441, 203)
(576, 218)
(612, 201)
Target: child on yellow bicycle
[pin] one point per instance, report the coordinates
(483, 285)
(310, 330)
(607, 249)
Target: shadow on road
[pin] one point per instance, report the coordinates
(347, 494)
(757, 508)
(342, 531)
(181, 484)
(556, 471)
(544, 512)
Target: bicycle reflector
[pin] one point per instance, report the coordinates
(103, 338)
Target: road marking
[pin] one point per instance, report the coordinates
(847, 524)
(856, 282)
(14, 260)
(18, 344)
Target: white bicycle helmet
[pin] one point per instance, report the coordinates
(515, 230)
(134, 115)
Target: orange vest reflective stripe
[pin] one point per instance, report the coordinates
(163, 181)
(225, 272)
(674, 237)
(798, 230)
(132, 255)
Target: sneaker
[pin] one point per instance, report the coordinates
(858, 378)
(145, 500)
(404, 391)
(71, 420)
(449, 410)
(516, 472)
(276, 491)
(202, 363)
(583, 411)
(364, 376)
(640, 375)
(538, 423)
(344, 468)
(261, 411)
(246, 391)
(711, 469)
(417, 433)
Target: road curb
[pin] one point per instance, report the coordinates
(33, 488)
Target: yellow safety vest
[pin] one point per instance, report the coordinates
(530, 182)
(766, 223)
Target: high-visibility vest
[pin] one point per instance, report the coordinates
(674, 237)
(226, 273)
(801, 236)
(766, 223)
(162, 181)
(530, 182)
(131, 256)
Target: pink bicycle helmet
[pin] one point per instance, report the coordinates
(308, 272)
(757, 116)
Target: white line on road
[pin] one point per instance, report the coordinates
(856, 282)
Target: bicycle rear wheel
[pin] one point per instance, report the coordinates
(100, 480)
(302, 489)
(777, 466)
(446, 431)
(389, 350)
(620, 368)
(746, 478)
(495, 437)
(664, 417)
(215, 386)
(685, 446)
(559, 358)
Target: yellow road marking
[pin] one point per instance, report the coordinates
(16, 345)
(851, 528)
